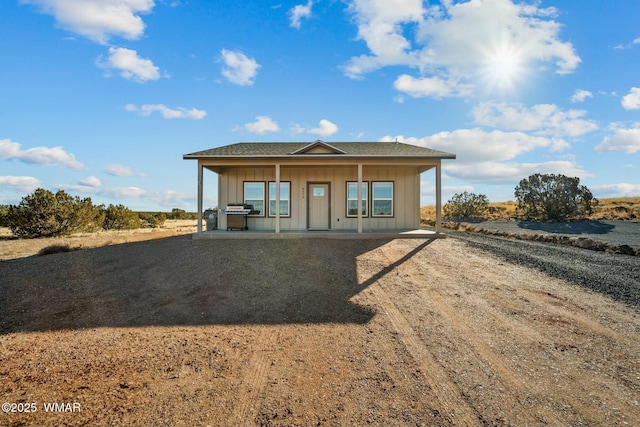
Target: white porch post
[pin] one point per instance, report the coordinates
(359, 207)
(277, 198)
(438, 197)
(200, 173)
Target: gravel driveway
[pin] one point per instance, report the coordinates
(615, 275)
(612, 232)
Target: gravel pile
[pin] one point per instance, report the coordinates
(614, 275)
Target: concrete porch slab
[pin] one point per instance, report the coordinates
(316, 234)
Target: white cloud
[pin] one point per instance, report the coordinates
(325, 128)
(297, 129)
(130, 65)
(165, 198)
(623, 139)
(98, 20)
(167, 113)
(622, 189)
(380, 26)
(629, 45)
(428, 188)
(44, 156)
(262, 124)
(544, 119)
(239, 69)
(470, 33)
(24, 184)
(91, 181)
(580, 95)
(120, 170)
(459, 42)
(298, 12)
(476, 145)
(122, 192)
(512, 172)
(434, 87)
(172, 199)
(489, 156)
(632, 100)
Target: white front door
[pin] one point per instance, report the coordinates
(318, 206)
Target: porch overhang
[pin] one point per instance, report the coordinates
(218, 164)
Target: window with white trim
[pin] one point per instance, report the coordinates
(382, 199)
(285, 191)
(352, 199)
(254, 196)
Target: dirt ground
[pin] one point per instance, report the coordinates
(314, 332)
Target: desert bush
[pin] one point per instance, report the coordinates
(553, 197)
(86, 216)
(45, 214)
(119, 217)
(151, 220)
(177, 213)
(4, 212)
(466, 205)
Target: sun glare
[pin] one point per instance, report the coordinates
(503, 69)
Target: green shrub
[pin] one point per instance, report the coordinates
(4, 212)
(177, 213)
(119, 217)
(552, 197)
(45, 214)
(466, 205)
(151, 220)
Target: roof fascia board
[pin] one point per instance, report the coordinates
(314, 161)
(314, 156)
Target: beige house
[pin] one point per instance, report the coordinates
(300, 186)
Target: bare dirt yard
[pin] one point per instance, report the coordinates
(176, 331)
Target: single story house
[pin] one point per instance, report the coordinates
(299, 186)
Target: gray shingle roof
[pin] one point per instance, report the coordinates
(351, 149)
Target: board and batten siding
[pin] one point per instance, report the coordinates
(406, 195)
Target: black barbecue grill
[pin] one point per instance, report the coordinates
(237, 215)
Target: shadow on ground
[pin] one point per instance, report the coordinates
(568, 227)
(179, 281)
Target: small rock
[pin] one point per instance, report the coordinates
(626, 250)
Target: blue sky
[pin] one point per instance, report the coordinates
(102, 98)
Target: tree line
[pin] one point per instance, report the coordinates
(47, 214)
(540, 197)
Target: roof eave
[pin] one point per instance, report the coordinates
(446, 156)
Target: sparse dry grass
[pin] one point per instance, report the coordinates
(620, 208)
(623, 208)
(11, 248)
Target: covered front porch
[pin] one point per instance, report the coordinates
(300, 177)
